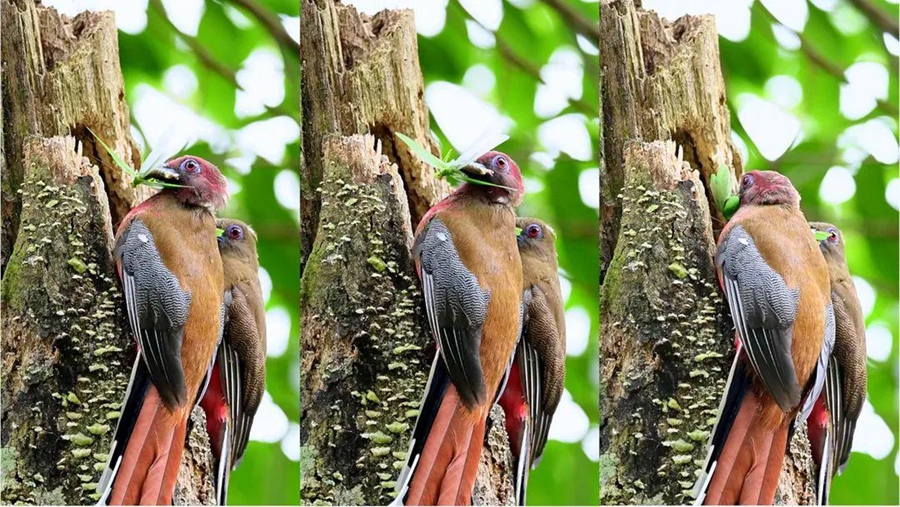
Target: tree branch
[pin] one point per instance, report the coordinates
(581, 24)
(272, 24)
(519, 62)
(884, 21)
(214, 65)
(819, 60)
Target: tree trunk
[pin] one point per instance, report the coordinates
(67, 349)
(666, 333)
(366, 345)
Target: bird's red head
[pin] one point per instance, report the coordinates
(498, 169)
(768, 187)
(200, 182)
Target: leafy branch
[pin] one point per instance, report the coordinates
(214, 65)
(452, 170)
(819, 60)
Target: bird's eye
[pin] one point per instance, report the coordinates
(747, 180)
(832, 235)
(190, 166)
(534, 231)
(500, 162)
(235, 232)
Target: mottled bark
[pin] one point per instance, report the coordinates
(666, 332)
(366, 347)
(66, 350)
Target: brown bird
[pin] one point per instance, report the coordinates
(537, 376)
(239, 375)
(776, 283)
(173, 284)
(845, 384)
(466, 256)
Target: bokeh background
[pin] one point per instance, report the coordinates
(523, 68)
(812, 88)
(224, 78)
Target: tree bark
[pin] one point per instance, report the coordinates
(67, 348)
(366, 347)
(666, 333)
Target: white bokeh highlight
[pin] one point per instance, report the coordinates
(771, 129)
(578, 331)
(270, 424)
(287, 189)
(838, 186)
(867, 82)
(290, 444)
(589, 187)
(866, 295)
(566, 134)
(892, 193)
(570, 423)
(562, 82)
(872, 436)
(278, 331)
(185, 14)
(879, 341)
(591, 444)
(456, 109)
(261, 80)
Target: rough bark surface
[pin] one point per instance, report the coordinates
(361, 75)
(66, 349)
(666, 332)
(366, 347)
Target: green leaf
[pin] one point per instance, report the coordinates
(219, 232)
(720, 184)
(422, 153)
(139, 178)
(518, 231)
(118, 160)
(820, 235)
(731, 206)
(445, 170)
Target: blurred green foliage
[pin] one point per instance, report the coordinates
(869, 223)
(227, 35)
(526, 39)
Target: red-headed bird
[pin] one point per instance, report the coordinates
(776, 283)
(845, 384)
(239, 375)
(538, 373)
(466, 256)
(172, 279)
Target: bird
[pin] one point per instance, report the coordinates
(239, 374)
(172, 278)
(832, 423)
(467, 259)
(537, 377)
(776, 283)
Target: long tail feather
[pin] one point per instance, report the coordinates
(749, 465)
(448, 464)
(131, 408)
(149, 466)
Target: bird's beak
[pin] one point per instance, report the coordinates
(475, 169)
(163, 173)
